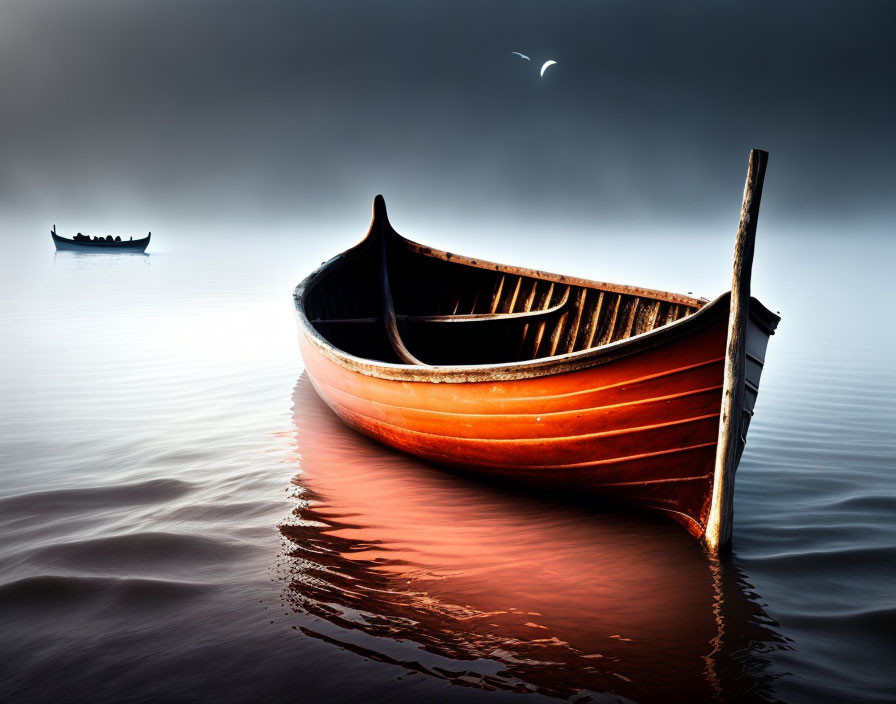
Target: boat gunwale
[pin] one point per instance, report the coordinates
(707, 313)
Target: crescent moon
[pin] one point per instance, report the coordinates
(546, 65)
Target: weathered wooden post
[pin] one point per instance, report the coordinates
(721, 512)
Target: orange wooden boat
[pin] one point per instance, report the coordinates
(641, 395)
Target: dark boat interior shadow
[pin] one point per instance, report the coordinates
(409, 564)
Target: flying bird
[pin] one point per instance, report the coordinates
(522, 56)
(546, 65)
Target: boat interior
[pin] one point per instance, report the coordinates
(392, 300)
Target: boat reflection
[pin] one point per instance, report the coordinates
(492, 588)
(87, 260)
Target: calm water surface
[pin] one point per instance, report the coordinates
(182, 519)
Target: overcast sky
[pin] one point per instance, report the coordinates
(220, 109)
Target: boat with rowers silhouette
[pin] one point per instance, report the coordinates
(642, 396)
(99, 244)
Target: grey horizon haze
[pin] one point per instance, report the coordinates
(269, 110)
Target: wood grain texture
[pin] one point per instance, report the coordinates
(642, 430)
(721, 516)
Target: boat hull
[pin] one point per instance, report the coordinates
(641, 429)
(63, 244)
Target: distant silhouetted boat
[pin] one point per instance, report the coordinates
(99, 245)
(642, 395)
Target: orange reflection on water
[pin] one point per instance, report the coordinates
(564, 595)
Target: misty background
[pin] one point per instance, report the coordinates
(129, 115)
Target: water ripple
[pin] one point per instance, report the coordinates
(66, 591)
